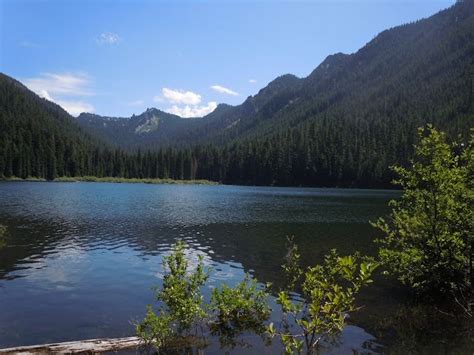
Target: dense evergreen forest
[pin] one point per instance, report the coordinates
(38, 138)
(343, 125)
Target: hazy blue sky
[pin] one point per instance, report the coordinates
(120, 57)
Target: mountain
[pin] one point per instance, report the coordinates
(343, 125)
(152, 127)
(37, 137)
(405, 77)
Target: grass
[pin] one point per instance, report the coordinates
(14, 178)
(116, 180)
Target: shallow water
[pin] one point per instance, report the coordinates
(81, 257)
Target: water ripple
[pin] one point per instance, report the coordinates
(81, 258)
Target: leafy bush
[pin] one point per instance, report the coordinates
(181, 308)
(238, 309)
(328, 294)
(184, 319)
(429, 236)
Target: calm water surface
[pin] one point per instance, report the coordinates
(81, 257)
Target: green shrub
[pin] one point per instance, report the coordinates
(181, 309)
(428, 241)
(327, 295)
(184, 320)
(238, 309)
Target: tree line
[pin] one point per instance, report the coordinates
(301, 157)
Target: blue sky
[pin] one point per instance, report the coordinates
(118, 57)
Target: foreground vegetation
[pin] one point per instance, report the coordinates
(327, 294)
(429, 236)
(184, 319)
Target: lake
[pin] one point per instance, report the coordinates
(81, 258)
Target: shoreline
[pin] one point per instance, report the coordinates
(117, 180)
(152, 181)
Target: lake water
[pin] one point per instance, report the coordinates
(81, 258)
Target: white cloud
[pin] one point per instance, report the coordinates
(193, 111)
(75, 107)
(63, 89)
(252, 81)
(136, 103)
(60, 84)
(108, 38)
(179, 97)
(185, 103)
(224, 90)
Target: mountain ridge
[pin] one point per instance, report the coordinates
(287, 101)
(150, 125)
(344, 124)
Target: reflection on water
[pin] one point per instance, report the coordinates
(81, 257)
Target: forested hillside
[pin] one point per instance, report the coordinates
(343, 125)
(37, 137)
(357, 114)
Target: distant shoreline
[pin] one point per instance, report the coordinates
(150, 181)
(117, 180)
